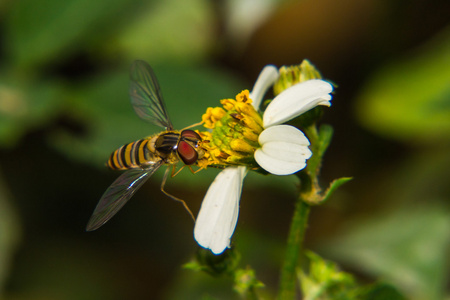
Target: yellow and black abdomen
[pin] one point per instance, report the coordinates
(145, 152)
(132, 155)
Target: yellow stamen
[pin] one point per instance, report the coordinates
(218, 113)
(236, 127)
(250, 135)
(228, 104)
(252, 124)
(212, 115)
(241, 146)
(244, 97)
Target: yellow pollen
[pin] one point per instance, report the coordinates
(212, 116)
(244, 97)
(218, 113)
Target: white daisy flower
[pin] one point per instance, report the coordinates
(282, 150)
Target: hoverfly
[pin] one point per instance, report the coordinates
(142, 158)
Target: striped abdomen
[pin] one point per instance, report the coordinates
(133, 155)
(168, 146)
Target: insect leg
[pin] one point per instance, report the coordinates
(192, 170)
(176, 173)
(173, 197)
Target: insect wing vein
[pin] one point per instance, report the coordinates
(120, 191)
(146, 96)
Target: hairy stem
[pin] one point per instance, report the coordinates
(296, 236)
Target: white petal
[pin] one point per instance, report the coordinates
(296, 100)
(265, 80)
(287, 152)
(283, 133)
(284, 150)
(219, 212)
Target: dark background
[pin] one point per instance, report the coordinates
(64, 108)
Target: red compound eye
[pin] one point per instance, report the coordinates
(187, 153)
(190, 134)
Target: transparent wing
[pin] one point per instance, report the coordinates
(146, 96)
(118, 194)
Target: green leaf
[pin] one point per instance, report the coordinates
(39, 31)
(325, 281)
(407, 247)
(409, 99)
(334, 185)
(171, 30)
(25, 106)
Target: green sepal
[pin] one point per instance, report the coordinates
(215, 265)
(308, 118)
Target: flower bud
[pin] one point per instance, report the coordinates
(292, 75)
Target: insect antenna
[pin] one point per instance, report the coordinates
(193, 125)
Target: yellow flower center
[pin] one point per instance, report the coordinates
(236, 126)
(234, 136)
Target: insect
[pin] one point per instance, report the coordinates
(142, 158)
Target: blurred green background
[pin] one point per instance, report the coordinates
(64, 108)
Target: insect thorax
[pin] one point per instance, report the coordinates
(165, 145)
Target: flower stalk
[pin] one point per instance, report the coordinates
(310, 194)
(288, 283)
(309, 189)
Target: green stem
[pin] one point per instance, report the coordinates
(309, 191)
(296, 236)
